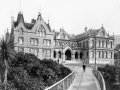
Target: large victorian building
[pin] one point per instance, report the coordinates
(38, 38)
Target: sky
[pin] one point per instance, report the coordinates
(72, 15)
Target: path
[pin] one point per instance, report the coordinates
(84, 80)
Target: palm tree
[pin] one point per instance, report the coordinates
(6, 54)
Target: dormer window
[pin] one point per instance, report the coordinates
(21, 31)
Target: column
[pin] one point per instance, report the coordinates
(72, 57)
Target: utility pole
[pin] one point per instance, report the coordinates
(95, 51)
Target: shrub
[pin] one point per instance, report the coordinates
(27, 72)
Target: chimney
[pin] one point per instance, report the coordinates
(39, 16)
(33, 21)
(85, 29)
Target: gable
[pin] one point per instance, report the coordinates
(62, 35)
(41, 25)
(102, 33)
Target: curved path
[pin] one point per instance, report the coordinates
(83, 80)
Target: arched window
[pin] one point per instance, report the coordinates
(40, 33)
(106, 54)
(43, 33)
(110, 54)
(98, 54)
(111, 44)
(102, 54)
(59, 54)
(92, 43)
(102, 43)
(106, 43)
(92, 54)
(21, 31)
(54, 55)
(21, 40)
(48, 43)
(99, 43)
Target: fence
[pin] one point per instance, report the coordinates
(64, 83)
(99, 78)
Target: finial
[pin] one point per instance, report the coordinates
(48, 18)
(102, 25)
(20, 5)
(108, 33)
(113, 34)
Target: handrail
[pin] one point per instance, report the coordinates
(100, 78)
(64, 83)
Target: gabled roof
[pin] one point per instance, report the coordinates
(48, 25)
(20, 18)
(89, 32)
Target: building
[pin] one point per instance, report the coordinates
(38, 38)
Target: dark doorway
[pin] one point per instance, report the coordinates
(76, 55)
(59, 54)
(68, 55)
(81, 55)
(54, 54)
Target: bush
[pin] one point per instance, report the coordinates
(27, 72)
(109, 74)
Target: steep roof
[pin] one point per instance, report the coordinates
(20, 18)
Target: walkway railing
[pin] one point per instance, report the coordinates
(64, 83)
(100, 78)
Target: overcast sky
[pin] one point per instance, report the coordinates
(72, 15)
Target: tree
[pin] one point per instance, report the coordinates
(6, 54)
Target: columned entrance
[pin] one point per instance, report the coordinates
(68, 55)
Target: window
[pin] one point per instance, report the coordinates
(34, 41)
(54, 55)
(92, 43)
(98, 54)
(20, 40)
(111, 44)
(106, 54)
(21, 31)
(102, 54)
(102, 43)
(36, 52)
(99, 43)
(40, 31)
(32, 51)
(110, 54)
(47, 43)
(106, 43)
(46, 53)
(38, 34)
(20, 49)
(92, 54)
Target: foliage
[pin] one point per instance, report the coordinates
(27, 72)
(109, 74)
